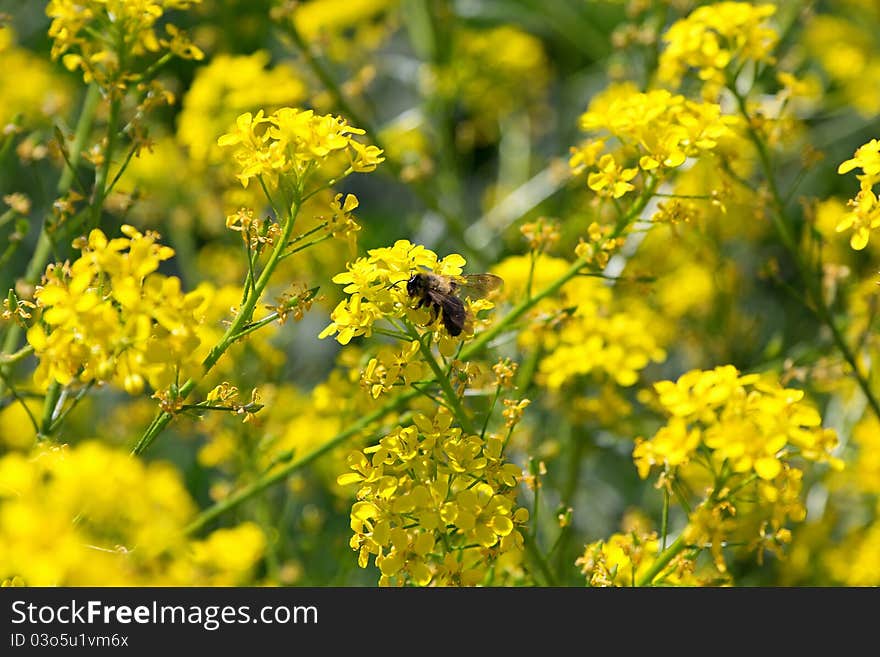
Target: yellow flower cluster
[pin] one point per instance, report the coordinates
(619, 560)
(738, 438)
(866, 469)
(345, 29)
(657, 129)
(295, 143)
(98, 36)
(864, 214)
(748, 514)
(391, 367)
(594, 339)
(376, 286)
(623, 559)
(111, 317)
(855, 561)
(436, 506)
(93, 516)
(226, 87)
(747, 423)
(493, 73)
(583, 332)
(847, 50)
(716, 39)
(30, 90)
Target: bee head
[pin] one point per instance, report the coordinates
(415, 285)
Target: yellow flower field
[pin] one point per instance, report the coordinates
(380, 293)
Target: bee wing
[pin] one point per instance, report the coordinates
(479, 285)
(452, 310)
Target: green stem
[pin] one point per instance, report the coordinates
(578, 444)
(484, 338)
(812, 282)
(440, 376)
(49, 405)
(533, 259)
(99, 193)
(242, 320)
(664, 521)
(125, 163)
(662, 561)
(534, 552)
(273, 316)
(284, 472)
(536, 501)
(636, 208)
(311, 231)
(21, 401)
(490, 411)
(303, 247)
(56, 422)
(21, 354)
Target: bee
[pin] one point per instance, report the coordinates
(441, 294)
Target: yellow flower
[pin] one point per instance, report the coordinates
(714, 37)
(863, 217)
(596, 339)
(391, 368)
(864, 214)
(612, 179)
(619, 560)
(583, 331)
(867, 157)
(673, 445)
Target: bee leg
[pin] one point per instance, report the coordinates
(435, 312)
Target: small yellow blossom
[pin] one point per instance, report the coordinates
(611, 179)
(867, 158)
(864, 214)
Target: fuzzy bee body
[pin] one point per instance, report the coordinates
(441, 294)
